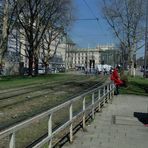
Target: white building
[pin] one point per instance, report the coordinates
(88, 57)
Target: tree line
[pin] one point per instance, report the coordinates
(126, 18)
(38, 23)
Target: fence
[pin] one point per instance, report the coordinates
(99, 96)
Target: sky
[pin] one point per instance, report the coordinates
(90, 33)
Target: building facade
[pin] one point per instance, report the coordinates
(90, 57)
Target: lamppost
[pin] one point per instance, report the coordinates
(66, 49)
(146, 41)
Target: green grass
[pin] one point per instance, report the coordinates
(7, 82)
(17, 81)
(58, 93)
(136, 85)
(60, 88)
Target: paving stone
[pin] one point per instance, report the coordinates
(116, 126)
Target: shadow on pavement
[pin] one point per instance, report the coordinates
(142, 117)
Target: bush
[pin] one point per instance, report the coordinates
(124, 78)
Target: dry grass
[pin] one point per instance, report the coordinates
(20, 108)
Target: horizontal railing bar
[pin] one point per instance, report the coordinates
(48, 112)
(27, 122)
(44, 141)
(61, 128)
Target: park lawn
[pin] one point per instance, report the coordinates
(136, 85)
(8, 82)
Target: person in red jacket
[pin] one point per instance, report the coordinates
(116, 79)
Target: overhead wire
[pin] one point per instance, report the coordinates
(90, 19)
(90, 9)
(92, 12)
(85, 19)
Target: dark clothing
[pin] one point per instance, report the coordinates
(117, 90)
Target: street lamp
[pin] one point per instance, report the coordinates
(146, 40)
(66, 48)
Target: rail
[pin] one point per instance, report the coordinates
(99, 96)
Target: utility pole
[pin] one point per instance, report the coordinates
(146, 40)
(67, 52)
(65, 34)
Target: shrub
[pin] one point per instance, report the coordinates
(124, 78)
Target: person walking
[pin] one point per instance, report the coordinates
(116, 79)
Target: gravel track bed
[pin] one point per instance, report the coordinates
(16, 109)
(7, 94)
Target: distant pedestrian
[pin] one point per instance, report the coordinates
(116, 79)
(104, 71)
(86, 71)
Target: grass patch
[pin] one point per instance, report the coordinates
(7, 82)
(60, 88)
(136, 85)
(63, 88)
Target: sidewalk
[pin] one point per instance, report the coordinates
(116, 126)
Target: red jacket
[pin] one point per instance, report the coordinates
(115, 77)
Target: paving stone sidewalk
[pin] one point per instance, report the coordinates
(119, 125)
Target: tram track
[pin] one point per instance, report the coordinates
(43, 92)
(24, 90)
(35, 98)
(55, 125)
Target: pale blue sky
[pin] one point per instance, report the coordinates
(91, 33)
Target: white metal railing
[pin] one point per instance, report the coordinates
(96, 102)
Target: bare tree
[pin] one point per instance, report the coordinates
(49, 45)
(8, 22)
(125, 17)
(35, 18)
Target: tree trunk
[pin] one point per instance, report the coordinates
(30, 63)
(131, 62)
(46, 68)
(132, 72)
(36, 66)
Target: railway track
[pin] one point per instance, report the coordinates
(12, 93)
(44, 89)
(56, 126)
(5, 94)
(78, 125)
(45, 92)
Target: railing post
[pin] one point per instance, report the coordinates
(110, 91)
(107, 93)
(104, 91)
(50, 130)
(84, 116)
(93, 108)
(71, 125)
(12, 141)
(112, 87)
(99, 95)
